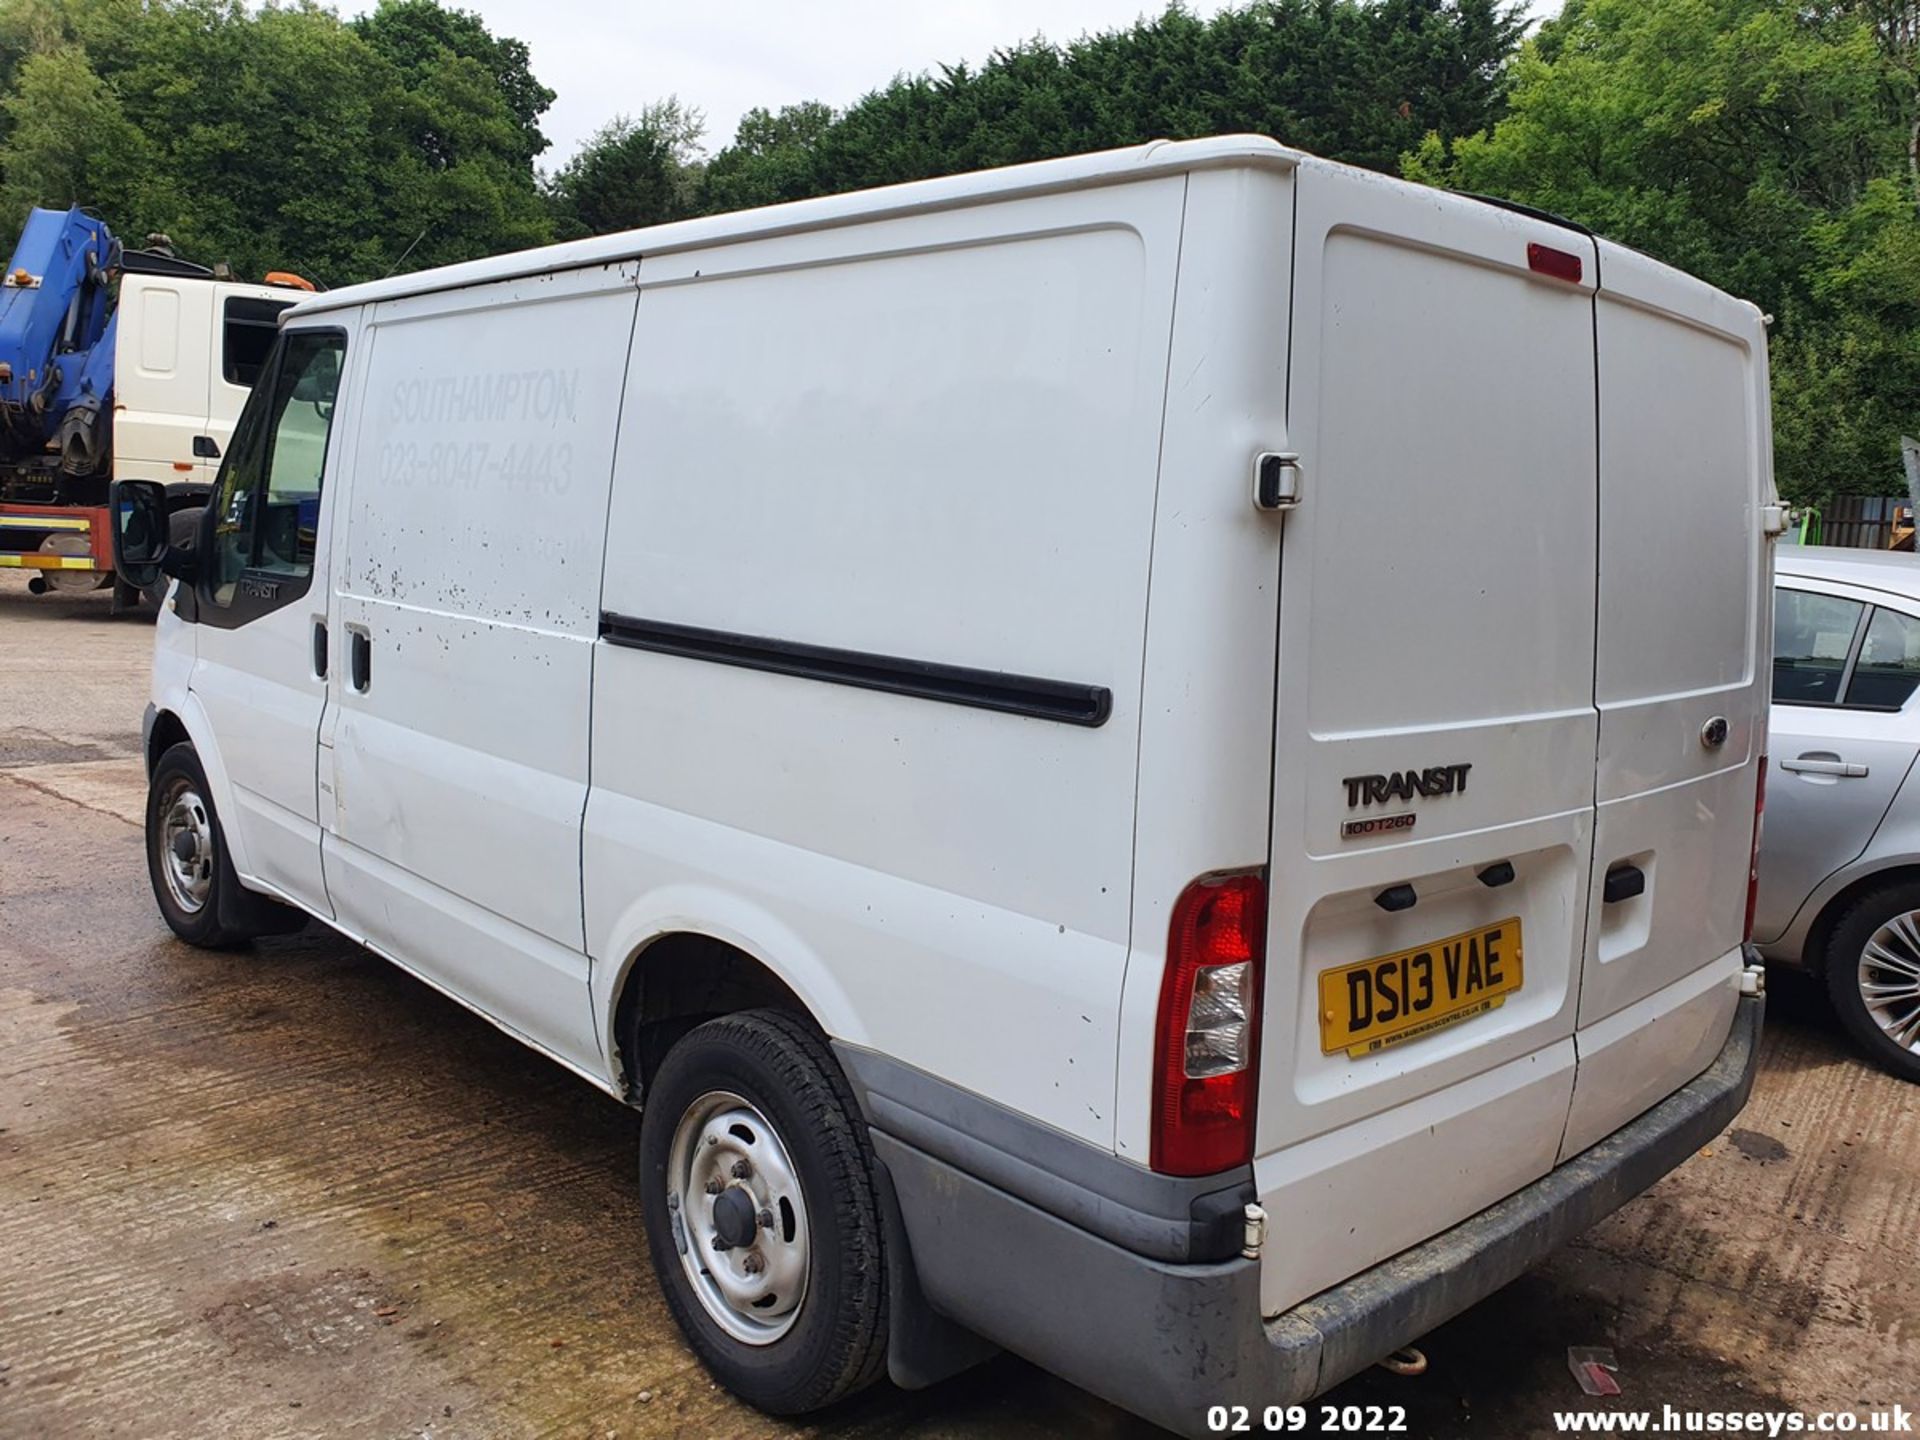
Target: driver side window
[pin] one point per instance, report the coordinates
(267, 503)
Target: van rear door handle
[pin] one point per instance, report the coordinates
(360, 660)
(1821, 765)
(1623, 882)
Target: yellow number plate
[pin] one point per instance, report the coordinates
(1381, 1002)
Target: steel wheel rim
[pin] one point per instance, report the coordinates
(1889, 979)
(725, 1156)
(186, 848)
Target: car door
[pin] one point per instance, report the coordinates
(260, 602)
(1842, 740)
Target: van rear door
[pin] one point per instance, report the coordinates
(1685, 601)
(1436, 733)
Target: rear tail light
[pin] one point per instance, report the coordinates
(1207, 1041)
(1753, 856)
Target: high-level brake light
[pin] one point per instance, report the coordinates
(1558, 264)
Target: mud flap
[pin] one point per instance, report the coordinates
(247, 912)
(923, 1347)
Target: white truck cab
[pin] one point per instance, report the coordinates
(189, 349)
(1152, 759)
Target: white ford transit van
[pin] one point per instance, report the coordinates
(1151, 759)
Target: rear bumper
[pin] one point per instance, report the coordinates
(1166, 1340)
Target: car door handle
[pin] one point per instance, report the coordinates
(360, 660)
(1811, 765)
(320, 649)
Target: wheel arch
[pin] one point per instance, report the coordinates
(923, 1347)
(1897, 871)
(167, 731)
(187, 723)
(700, 953)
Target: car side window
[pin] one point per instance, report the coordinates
(267, 503)
(1812, 637)
(1889, 665)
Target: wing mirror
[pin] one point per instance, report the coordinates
(142, 551)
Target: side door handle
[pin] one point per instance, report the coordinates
(360, 660)
(320, 648)
(1823, 765)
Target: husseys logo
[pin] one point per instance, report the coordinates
(1403, 785)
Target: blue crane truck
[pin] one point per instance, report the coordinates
(114, 364)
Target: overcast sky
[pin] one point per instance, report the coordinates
(726, 56)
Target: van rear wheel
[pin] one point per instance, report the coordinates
(1873, 976)
(762, 1214)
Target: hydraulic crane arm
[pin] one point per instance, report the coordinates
(57, 339)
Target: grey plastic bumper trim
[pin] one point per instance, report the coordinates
(1161, 1217)
(1168, 1340)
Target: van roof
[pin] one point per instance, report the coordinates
(1074, 172)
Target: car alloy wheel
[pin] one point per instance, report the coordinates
(1888, 974)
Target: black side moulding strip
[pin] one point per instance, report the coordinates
(1061, 700)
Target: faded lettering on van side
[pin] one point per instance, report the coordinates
(482, 429)
(542, 465)
(1403, 785)
(485, 397)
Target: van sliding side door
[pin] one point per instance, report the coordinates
(465, 619)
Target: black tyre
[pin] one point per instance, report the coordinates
(1872, 969)
(187, 862)
(763, 1218)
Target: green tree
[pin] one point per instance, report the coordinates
(635, 171)
(69, 142)
(1765, 146)
(1356, 81)
(420, 36)
(276, 138)
(771, 158)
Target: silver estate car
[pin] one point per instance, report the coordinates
(1839, 889)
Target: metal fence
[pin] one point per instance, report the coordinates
(1859, 522)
